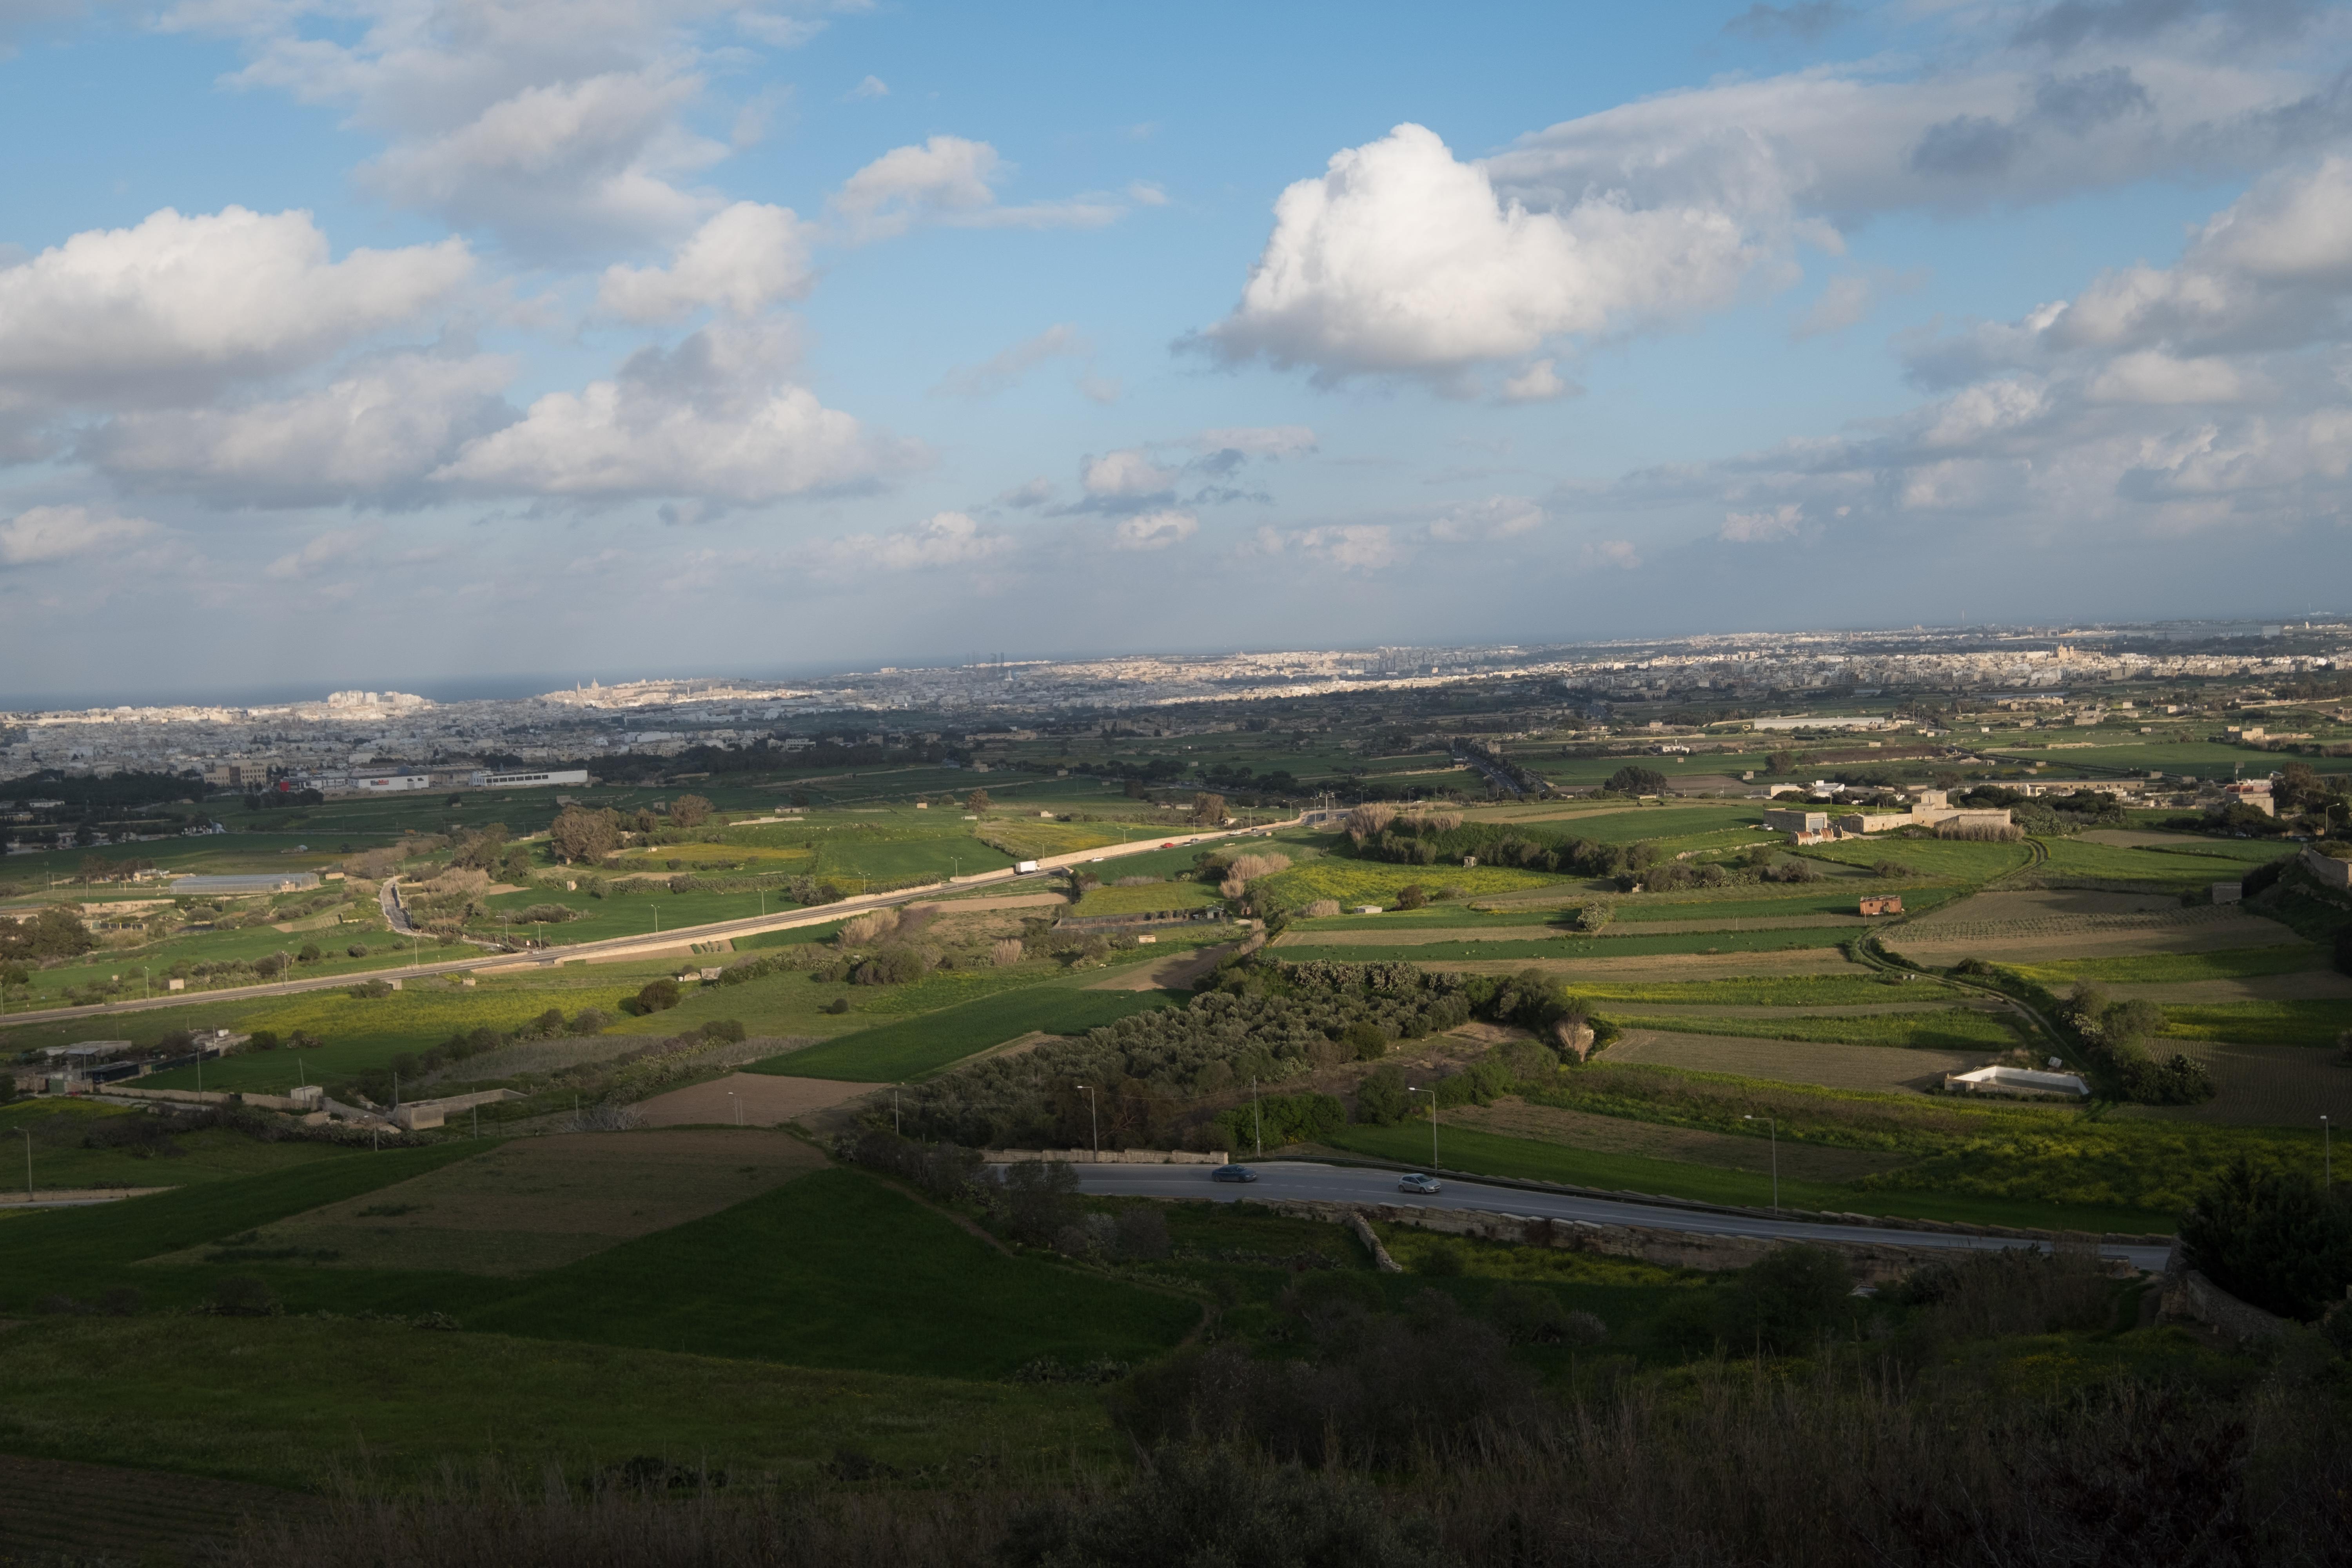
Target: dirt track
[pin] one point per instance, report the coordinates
(764, 1101)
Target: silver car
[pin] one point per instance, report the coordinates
(1421, 1183)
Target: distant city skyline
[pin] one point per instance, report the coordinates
(425, 342)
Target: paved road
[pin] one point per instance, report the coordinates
(394, 914)
(1341, 1183)
(627, 946)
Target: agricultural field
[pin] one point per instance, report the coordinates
(2181, 865)
(921, 1045)
(1885, 1068)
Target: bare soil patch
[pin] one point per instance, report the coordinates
(1884, 1068)
(1006, 901)
(539, 1203)
(749, 1099)
(2036, 926)
(1608, 1135)
(1174, 973)
(2262, 1086)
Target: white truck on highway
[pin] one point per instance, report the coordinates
(1024, 868)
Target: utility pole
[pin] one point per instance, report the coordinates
(1258, 1122)
(1773, 1123)
(1432, 1122)
(2326, 1155)
(1092, 1123)
(895, 1126)
(27, 1134)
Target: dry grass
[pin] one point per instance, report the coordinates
(1174, 973)
(1885, 1068)
(760, 1099)
(539, 1203)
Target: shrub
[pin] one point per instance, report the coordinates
(357, 950)
(243, 1296)
(1369, 1041)
(1381, 1098)
(1005, 951)
(1410, 896)
(310, 954)
(1322, 909)
(1143, 1233)
(1632, 779)
(658, 996)
(1593, 916)
(728, 1030)
(1527, 1315)
(1036, 1198)
(1788, 1300)
(2272, 1238)
(369, 989)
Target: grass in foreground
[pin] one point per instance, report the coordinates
(243, 1398)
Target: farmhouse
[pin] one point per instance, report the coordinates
(1783, 819)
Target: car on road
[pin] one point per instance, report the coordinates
(1426, 1185)
(1232, 1174)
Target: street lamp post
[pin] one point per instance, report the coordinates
(1775, 1126)
(735, 1107)
(1258, 1122)
(1094, 1124)
(2327, 1154)
(1410, 1089)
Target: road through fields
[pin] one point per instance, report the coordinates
(649, 946)
(1350, 1184)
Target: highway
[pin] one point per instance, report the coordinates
(1345, 1184)
(647, 946)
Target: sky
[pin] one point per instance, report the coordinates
(396, 342)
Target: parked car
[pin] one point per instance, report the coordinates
(1421, 1184)
(1232, 1174)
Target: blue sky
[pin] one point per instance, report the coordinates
(404, 341)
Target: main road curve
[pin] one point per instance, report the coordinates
(1298, 1179)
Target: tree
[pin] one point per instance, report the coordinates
(2272, 1238)
(689, 811)
(1636, 781)
(580, 833)
(1787, 1300)
(1381, 1098)
(1411, 896)
(1208, 810)
(52, 933)
(1782, 763)
(310, 954)
(976, 802)
(658, 996)
(1368, 1040)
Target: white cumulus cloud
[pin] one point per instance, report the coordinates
(944, 538)
(950, 180)
(1403, 258)
(744, 257)
(180, 303)
(717, 417)
(1156, 529)
(41, 534)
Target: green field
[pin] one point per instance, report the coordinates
(1353, 882)
(2194, 864)
(59, 1128)
(2229, 963)
(2316, 1023)
(1794, 991)
(1568, 947)
(241, 1398)
(896, 1052)
(1957, 1028)
(1962, 860)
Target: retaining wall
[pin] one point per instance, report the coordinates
(1108, 1157)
